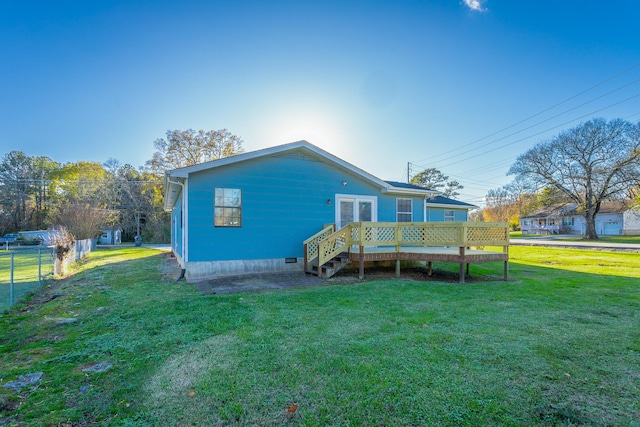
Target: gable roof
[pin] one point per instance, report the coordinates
(412, 186)
(441, 201)
(175, 178)
(551, 211)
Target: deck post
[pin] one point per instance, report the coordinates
(506, 264)
(306, 261)
(461, 252)
(429, 268)
(398, 261)
(361, 267)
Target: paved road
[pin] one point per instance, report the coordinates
(557, 241)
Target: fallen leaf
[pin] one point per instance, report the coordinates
(192, 393)
(568, 375)
(292, 408)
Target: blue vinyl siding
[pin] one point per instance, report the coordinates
(284, 201)
(437, 214)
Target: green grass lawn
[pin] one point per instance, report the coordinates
(25, 274)
(576, 238)
(559, 344)
(609, 239)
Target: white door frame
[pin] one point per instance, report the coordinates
(356, 198)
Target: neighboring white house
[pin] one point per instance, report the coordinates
(615, 218)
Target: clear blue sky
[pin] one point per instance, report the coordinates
(379, 84)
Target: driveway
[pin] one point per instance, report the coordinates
(580, 244)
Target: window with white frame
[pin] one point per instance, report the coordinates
(404, 210)
(567, 221)
(449, 215)
(227, 207)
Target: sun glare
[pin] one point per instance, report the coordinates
(317, 128)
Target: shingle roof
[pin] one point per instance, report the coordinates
(405, 185)
(441, 200)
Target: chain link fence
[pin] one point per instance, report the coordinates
(23, 271)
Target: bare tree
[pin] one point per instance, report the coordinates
(596, 161)
(82, 220)
(188, 147)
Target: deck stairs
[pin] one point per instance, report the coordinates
(331, 267)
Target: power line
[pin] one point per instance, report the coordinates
(546, 130)
(545, 120)
(545, 110)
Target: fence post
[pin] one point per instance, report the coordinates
(39, 266)
(11, 282)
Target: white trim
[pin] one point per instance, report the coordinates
(404, 213)
(298, 145)
(184, 172)
(409, 191)
(424, 211)
(449, 206)
(453, 215)
(356, 198)
(185, 219)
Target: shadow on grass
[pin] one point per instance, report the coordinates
(552, 346)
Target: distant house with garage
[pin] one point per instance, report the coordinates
(251, 212)
(615, 218)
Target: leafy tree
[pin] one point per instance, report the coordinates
(187, 148)
(43, 168)
(23, 191)
(433, 179)
(507, 204)
(81, 182)
(551, 196)
(596, 161)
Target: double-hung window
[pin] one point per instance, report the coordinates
(449, 215)
(404, 210)
(227, 207)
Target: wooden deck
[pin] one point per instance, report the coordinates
(462, 256)
(402, 241)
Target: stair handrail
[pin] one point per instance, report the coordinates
(311, 244)
(334, 244)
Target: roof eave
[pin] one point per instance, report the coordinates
(304, 145)
(171, 193)
(408, 191)
(450, 205)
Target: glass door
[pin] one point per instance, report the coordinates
(350, 208)
(346, 212)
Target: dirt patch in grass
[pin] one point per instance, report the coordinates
(256, 282)
(253, 282)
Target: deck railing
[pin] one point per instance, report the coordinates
(311, 244)
(398, 234)
(340, 241)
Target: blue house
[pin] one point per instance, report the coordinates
(250, 213)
